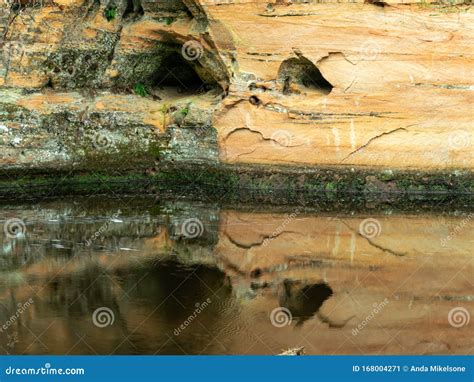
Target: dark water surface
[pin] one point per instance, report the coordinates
(103, 276)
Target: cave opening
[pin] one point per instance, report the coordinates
(182, 75)
(133, 10)
(299, 72)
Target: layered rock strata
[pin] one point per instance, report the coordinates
(260, 84)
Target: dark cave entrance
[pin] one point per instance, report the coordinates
(303, 73)
(176, 72)
(133, 10)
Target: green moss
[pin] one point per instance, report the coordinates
(155, 150)
(110, 13)
(256, 184)
(439, 189)
(140, 89)
(416, 188)
(330, 187)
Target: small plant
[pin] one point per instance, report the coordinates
(110, 13)
(140, 89)
(169, 20)
(184, 111)
(165, 108)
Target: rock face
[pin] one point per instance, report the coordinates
(380, 85)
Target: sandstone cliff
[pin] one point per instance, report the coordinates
(94, 84)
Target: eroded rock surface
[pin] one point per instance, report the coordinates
(262, 83)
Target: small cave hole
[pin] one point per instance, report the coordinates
(377, 3)
(302, 73)
(49, 84)
(256, 273)
(254, 100)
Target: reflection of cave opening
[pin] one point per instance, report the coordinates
(178, 73)
(151, 284)
(304, 300)
(189, 285)
(134, 9)
(161, 295)
(302, 72)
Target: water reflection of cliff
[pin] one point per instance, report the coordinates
(174, 292)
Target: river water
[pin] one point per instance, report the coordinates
(128, 276)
